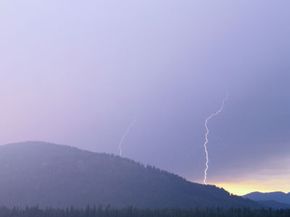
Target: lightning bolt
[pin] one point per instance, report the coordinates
(207, 131)
(126, 133)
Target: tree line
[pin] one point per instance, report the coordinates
(134, 212)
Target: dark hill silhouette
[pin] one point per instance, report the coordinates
(277, 199)
(274, 204)
(37, 173)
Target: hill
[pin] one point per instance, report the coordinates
(274, 204)
(37, 173)
(280, 199)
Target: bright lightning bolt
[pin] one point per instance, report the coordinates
(124, 137)
(207, 131)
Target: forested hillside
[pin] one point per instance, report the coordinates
(49, 175)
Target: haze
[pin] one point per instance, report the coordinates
(79, 72)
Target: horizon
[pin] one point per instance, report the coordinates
(144, 79)
(232, 188)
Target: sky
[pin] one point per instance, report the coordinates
(80, 72)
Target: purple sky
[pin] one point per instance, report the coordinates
(78, 73)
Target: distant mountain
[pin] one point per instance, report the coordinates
(37, 173)
(272, 199)
(274, 204)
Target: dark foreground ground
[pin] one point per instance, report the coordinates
(131, 212)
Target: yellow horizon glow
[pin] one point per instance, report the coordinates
(245, 187)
